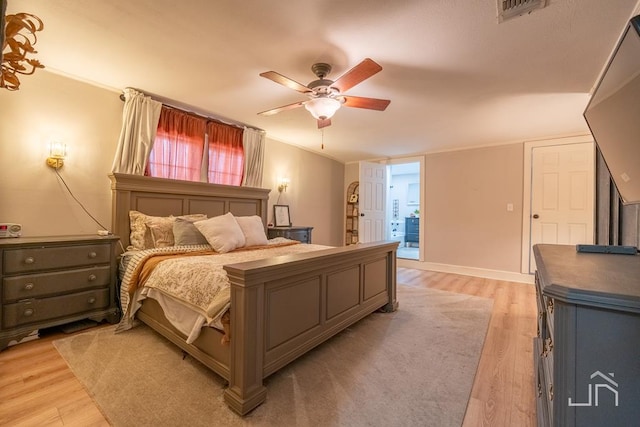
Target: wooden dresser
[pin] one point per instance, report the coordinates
(587, 352)
(300, 233)
(49, 281)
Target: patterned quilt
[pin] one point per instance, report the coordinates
(192, 275)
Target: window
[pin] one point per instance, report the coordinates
(179, 149)
(226, 155)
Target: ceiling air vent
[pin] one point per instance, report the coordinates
(508, 9)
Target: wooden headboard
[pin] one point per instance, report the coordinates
(164, 197)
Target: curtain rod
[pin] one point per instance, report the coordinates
(209, 118)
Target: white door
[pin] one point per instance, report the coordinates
(562, 195)
(372, 189)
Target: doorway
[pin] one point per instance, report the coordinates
(403, 218)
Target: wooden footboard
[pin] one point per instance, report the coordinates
(284, 306)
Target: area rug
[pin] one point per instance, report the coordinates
(412, 367)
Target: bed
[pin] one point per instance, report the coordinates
(280, 307)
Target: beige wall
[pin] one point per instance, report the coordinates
(49, 107)
(466, 218)
(314, 194)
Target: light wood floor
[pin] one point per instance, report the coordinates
(38, 389)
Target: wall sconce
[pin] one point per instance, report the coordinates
(57, 153)
(284, 183)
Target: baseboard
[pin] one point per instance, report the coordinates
(467, 271)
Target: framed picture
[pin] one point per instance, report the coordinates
(281, 216)
(353, 198)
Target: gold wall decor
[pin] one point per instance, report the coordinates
(20, 36)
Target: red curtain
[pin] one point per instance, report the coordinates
(226, 156)
(178, 147)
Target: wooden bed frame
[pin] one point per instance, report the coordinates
(280, 307)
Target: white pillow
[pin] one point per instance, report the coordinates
(222, 232)
(253, 230)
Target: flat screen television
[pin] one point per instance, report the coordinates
(613, 114)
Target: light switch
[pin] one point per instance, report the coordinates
(509, 207)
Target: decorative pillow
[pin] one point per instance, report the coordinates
(253, 230)
(222, 232)
(140, 236)
(142, 226)
(185, 233)
(161, 228)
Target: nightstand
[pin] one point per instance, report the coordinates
(301, 233)
(50, 281)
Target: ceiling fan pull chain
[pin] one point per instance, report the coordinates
(322, 146)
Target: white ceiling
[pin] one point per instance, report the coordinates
(455, 77)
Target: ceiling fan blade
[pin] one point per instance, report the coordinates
(357, 74)
(283, 108)
(324, 123)
(368, 103)
(285, 81)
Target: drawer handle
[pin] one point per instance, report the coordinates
(539, 388)
(92, 277)
(551, 392)
(28, 312)
(28, 286)
(92, 254)
(29, 260)
(91, 300)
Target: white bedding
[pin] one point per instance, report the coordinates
(193, 291)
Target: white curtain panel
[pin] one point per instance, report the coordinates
(204, 166)
(140, 116)
(253, 146)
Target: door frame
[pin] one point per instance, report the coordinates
(526, 192)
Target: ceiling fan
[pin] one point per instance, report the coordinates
(327, 96)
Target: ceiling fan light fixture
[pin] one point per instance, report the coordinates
(322, 108)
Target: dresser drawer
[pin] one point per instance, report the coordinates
(58, 282)
(33, 259)
(31, 311)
